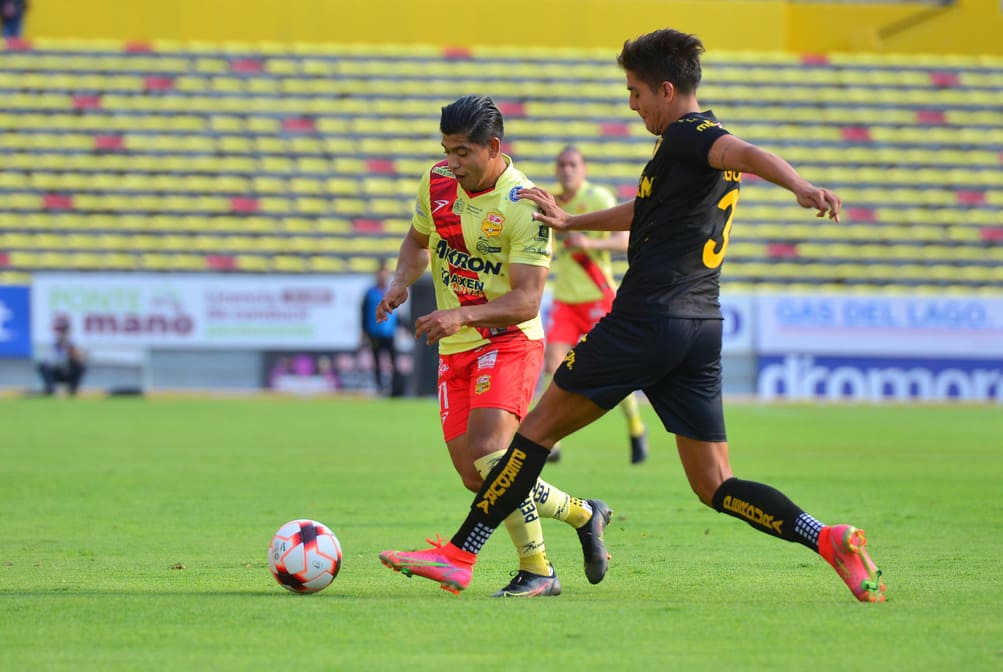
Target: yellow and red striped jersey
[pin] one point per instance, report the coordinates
(584, 276)
(473, 239)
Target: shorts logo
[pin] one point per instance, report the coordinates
(443, 367)
(483, 384)
(487, 360)
(569, 359)
(445, 415)
(492, 224)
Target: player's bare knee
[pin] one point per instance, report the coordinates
(472, 483)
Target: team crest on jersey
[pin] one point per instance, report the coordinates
(513, 194)
(492, 224)
(482, 385)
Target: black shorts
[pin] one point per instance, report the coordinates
(675, 361)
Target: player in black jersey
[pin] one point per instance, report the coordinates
(663, 335)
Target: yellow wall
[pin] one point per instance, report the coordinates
(973, 26)
(968, 27)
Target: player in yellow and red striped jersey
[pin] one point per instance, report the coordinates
(489, 263)
(584, 286)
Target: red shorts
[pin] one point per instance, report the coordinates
(498, 375)
(570, 321)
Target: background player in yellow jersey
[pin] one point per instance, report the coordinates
(584, 287)
(489, 264)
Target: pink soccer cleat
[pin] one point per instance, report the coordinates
(842, 546)
(443, 563)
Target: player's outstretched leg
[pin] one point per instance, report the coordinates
(843, 547)
(450, 566)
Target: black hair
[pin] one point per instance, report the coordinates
(477, 117)
(664, 56)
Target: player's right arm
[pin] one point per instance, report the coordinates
(412, 260)
(617, 218)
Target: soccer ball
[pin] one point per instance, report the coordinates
(304, 556)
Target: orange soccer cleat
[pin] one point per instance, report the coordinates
(442, 562)
(842, 546)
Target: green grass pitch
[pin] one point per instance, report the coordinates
(135, 532)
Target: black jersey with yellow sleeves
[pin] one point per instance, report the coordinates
(682, 221)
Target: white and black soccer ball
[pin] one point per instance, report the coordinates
(304, 556)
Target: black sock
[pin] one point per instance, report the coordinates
(768, 510)
(505, 487)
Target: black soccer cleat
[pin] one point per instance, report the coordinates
(593, 545)
(527, 584)
(639, 448)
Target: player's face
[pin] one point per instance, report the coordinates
(651, 106)
(471, 163)
(570, 170)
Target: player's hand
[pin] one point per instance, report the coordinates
(550, 213)
(438, 325)
(395, 296)
(822, 200)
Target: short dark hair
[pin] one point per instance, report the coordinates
(664, 56)
(477, 117)
(571, 149)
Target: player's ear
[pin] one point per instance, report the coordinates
(494, 147)
(668, 91)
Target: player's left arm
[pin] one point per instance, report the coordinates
(731, 153)
(520, 303)
(617, 241)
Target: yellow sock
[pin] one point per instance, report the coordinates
(523, 526)
(632, 412)
(552, 502)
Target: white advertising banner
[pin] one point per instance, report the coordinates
(967, 327)
(202, 311)
(739, 328)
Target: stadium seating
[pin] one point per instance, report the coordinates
(304, 158)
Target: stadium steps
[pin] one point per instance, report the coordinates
(304, 158)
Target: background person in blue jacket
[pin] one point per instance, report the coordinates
(380, 335)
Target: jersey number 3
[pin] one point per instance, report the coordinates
(712, 258)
